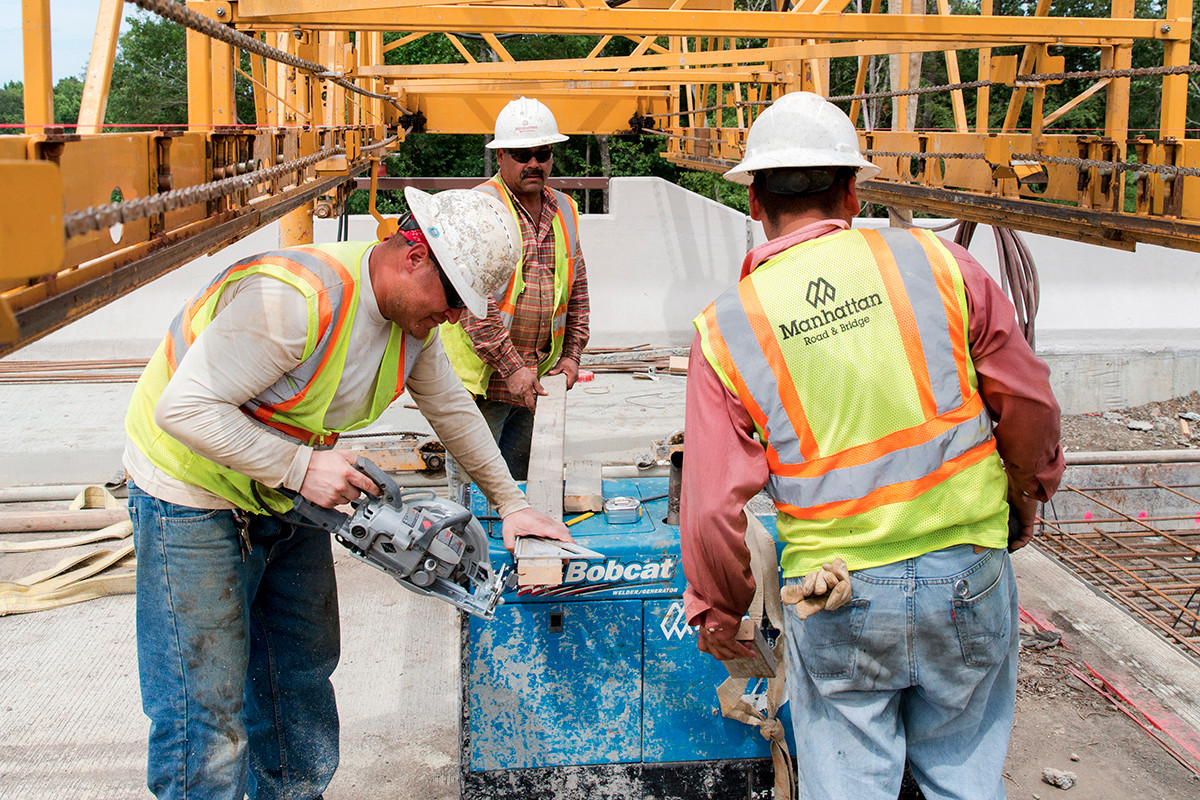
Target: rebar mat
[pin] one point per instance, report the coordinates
(1139, 544)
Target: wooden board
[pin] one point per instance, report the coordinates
(582, 487)
(544, 487)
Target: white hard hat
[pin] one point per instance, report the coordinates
(474, 238)
(801, 129)
(525, 122)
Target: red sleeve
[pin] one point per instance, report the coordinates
(723, 468)
(1014, 383)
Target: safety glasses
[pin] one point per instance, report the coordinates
(523, 154)
(410, 229)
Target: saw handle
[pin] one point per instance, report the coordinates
(391, 491)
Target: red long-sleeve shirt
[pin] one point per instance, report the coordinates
(725, 465)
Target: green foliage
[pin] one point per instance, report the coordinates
(149, 80)
(12, 106)
(68, 94)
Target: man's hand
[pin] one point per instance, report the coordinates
(721, 644)
(1022, 530)
(528, 522)
(523, 385)
(332, 480)
(568, 367)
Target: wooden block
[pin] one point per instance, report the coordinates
(540, 572)
(762, 667)
(677, 365)
(544, 488)
(582, 487)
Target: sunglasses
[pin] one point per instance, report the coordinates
(523, 154)
(453, 299)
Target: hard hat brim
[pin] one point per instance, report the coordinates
(533, 141)
(421, 205)
(743, 173)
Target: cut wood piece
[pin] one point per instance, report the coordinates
(677, 365)
(762, 667)
(583, 487)
(544, 488)
(539, 572)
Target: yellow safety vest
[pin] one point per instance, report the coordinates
(470, 368)
(850, 353)
(295, 405)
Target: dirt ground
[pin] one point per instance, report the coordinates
(1064, 724)
(1168, 430)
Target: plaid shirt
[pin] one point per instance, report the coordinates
(528, 343)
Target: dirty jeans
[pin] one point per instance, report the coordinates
(512, 428)
(922, 662)
(235, 652)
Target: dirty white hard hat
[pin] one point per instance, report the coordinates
(525, 122)
(801, 129)
(474, 238)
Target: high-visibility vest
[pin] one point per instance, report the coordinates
(294, 406)
(850, 354)
(467, 364)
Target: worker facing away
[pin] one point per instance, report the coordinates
(876, 384)
(237, 623)
(537, 323)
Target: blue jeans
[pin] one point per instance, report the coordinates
(236, 646)
(922, 662)
(512, 428)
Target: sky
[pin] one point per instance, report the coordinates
(72, 25)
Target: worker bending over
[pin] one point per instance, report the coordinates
(237, 623)
(537, 323)
(876, 384)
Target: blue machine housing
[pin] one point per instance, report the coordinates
(597, 684)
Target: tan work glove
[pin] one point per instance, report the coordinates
(827, 587)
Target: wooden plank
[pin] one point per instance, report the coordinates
(583, 487)
(544, 487)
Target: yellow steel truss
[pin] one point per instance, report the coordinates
(699, 71)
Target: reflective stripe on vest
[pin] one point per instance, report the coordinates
(924, 291)
(327, 281)
(295, 406)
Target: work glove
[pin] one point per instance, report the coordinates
(827, 587)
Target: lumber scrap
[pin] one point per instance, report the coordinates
(762, 667)
(582, 487)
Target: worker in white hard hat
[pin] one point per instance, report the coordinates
(537, 322)
(875, 383)
(237, 624)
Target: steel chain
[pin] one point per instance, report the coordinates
(182, 15)
(101, 218)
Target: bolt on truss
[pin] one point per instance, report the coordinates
(1148, 560)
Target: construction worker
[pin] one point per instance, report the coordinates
(537, 324)
(237, 624)
(876, 384)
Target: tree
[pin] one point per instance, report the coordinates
(149, 79)
(12, 105)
